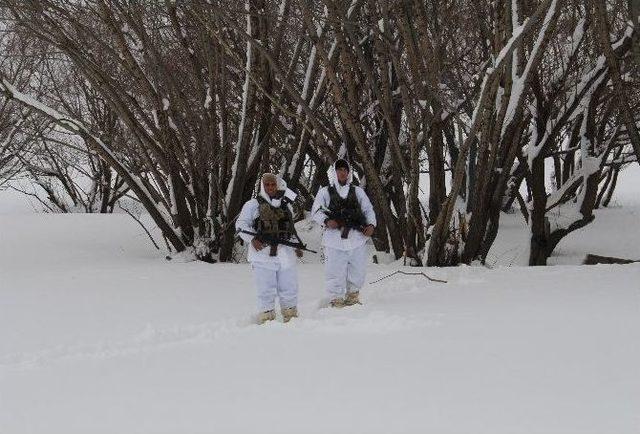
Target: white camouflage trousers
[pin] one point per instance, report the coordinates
(275, 282)
(345, 270)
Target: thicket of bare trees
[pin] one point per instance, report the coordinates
(183, 104)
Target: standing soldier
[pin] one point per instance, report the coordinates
(347, 215)
(267, 219)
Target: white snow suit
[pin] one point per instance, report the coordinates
(273, 275)
(346, 259)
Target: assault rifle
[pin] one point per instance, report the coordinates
(273, 242)
(347, 219)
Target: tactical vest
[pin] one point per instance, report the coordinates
(272, 221)
(348, 205)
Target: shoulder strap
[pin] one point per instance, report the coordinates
(352, 193)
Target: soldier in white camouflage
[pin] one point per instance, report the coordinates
(269, 216)
(346, 213)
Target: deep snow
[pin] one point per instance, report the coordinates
(100, 334)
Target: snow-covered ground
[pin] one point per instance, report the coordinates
(614, 232)
(99, 333)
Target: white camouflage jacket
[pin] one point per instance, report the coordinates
(332, 237)
(286, 256)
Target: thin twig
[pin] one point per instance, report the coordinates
(140, 223)
(166, 241)
(408, 273)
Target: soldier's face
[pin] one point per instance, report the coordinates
(342, 174)
(270, 187)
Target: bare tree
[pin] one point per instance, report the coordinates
(185, 103)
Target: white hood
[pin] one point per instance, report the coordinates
(343, 190)
(282, 186)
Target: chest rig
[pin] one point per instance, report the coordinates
(338, 203)
(274, 222)
(346, 211)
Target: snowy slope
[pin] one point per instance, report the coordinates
(100, 334)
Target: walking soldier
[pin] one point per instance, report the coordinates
(346, 213)
(266, 224)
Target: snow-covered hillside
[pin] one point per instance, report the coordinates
(100, 334)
